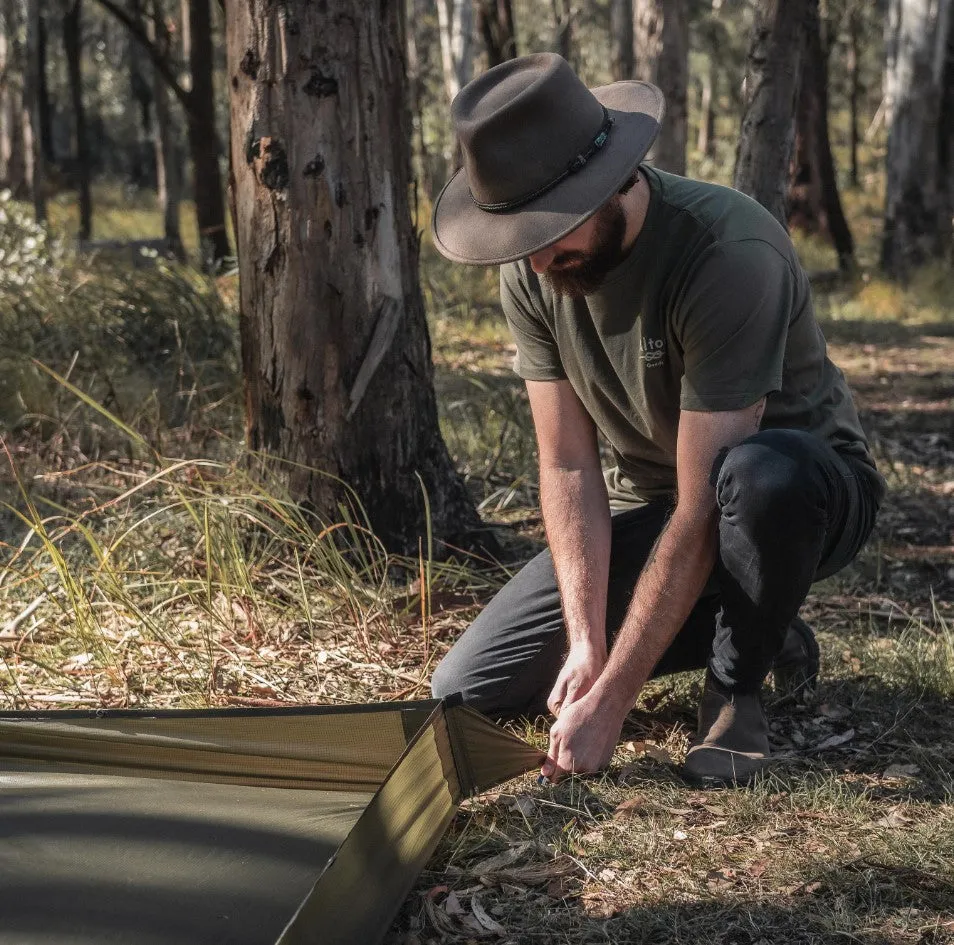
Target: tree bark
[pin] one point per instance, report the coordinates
(198, 103)
(496, 26)
(335, 346)
(45, 108)
(814, 201)
(72, 44)
(621, 40)
(431, 167)
(142, 172)
(13, 164)
(32, 133)
(661, 32)
(456, 28)
(203, 140)
(168, 176)
(854, 88)
(916, 220)
(705, 143)
(771, 84)
(563, 28)
(945, 151)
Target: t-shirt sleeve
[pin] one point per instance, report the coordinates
(733, 324)
(538, 357)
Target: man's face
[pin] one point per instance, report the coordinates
(577, 264)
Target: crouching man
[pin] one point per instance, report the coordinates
(671, 317)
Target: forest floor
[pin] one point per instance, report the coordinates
(145, 564)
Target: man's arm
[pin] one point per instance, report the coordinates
(575, 511)
(584, 736)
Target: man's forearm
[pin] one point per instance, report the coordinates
(576, 514)
(668, 588)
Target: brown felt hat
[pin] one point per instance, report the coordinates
(542, 153)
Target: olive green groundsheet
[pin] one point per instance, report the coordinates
(233, 827)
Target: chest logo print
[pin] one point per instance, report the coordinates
(652, 351)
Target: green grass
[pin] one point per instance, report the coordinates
(121, 213)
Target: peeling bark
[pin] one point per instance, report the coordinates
(335, 347)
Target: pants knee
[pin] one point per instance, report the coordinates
(446, 680)
(769, 475)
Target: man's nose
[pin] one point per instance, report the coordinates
(540, 262)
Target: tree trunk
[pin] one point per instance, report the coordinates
(563, 28)
(771, 86)
(72, 44)
(168, 172)
(13, 164)
(495, 24)
(203, 140)
(32, 133)
(854, 88)
(431, 168)
(141, 173)
(705, 143)
(456, 27)
(43, 91)
(621, 39)
(915, 228)
(814, 201)
(945, 151)
(335, 347)
(661, 32)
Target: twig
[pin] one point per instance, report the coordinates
(7, 635)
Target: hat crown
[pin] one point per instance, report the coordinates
(521, 125)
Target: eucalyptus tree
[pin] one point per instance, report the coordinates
(335, 346)
(919, 87)
(661, 37)
(773, 71)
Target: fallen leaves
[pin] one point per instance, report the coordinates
(894, 819)
(900, 772)
(834, 741)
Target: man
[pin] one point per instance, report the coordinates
(673, 318)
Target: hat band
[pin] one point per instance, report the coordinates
(575, 165)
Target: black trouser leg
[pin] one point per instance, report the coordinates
(507, 661)
(791, 510)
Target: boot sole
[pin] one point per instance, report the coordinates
(723, 781)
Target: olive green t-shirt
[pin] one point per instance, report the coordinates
(711, 310)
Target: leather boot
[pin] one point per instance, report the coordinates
(732, 743)
(795, 669)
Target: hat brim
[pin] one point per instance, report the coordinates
(466, 234)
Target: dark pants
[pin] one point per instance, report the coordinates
(792, 510)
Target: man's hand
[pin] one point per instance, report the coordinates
(582, 739)
(582, 668)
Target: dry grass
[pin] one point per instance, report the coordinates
(145, 563)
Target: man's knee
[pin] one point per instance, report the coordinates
(770, 476)
(447, 679)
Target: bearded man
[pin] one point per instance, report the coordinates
(673, 318)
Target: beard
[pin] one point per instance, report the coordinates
(577, 274)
